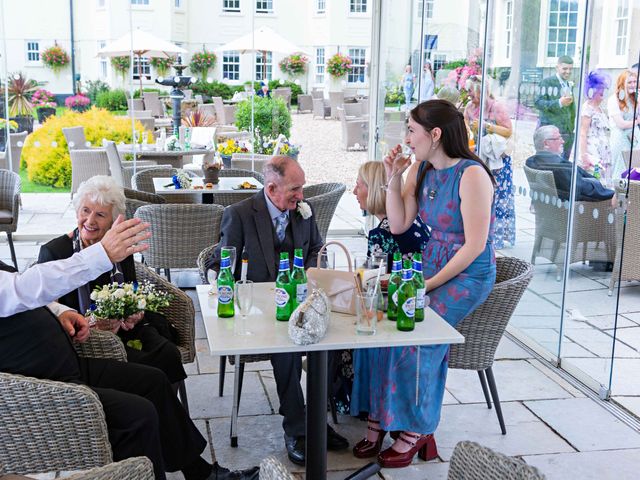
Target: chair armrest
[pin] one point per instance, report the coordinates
(205, 262)
(101, 344)
(42, 424)
(136, 468)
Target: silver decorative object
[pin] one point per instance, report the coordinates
(309, 322)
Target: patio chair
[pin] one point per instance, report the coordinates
(152, 102)
(86, 164)
(324, 199)
(179, 233)
(208, 109)
(120, 173)
(349, 93)
(284, 93)
(483, 329)
(135, 104)
(591, 229)
(626, 265)
(355, 132)
(352, 110)
(249, 161)
(75, 138)
(321, 108)
(16, 142)
(272, 469)
(140, 113)
(364, 105)
(9, 207)
(199, 99)
(317, 92)
(226, 114)
(634, 155)
(305, 103)
(336, 99)
(135, 199)
(188, 93)
(471, 461)
(148, 123)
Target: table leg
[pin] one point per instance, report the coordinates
(316, 453)
(207, 198)
(233, 434)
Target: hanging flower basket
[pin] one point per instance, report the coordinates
(121, 65)
(202, 62)
(162, 65)
(55, 58)
(294, 65)
(339, 65)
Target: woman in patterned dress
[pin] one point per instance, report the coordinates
(624, 127)
(452, 191)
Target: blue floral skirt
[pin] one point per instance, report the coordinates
(505, 224)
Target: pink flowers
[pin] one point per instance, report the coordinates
(43, 98)
(55, 57)
(339, 65)
(295, 64)
(78, 100)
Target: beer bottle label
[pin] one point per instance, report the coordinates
(225, 294)
(282, 297)
(301, 292)
(420, 292)
(394, 297)
(409, 307)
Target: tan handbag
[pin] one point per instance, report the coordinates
(340, 287)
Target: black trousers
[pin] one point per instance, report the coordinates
(287, 371)
(143, 415)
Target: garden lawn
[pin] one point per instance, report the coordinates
(30, 187)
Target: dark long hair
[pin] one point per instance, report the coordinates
(455, 141)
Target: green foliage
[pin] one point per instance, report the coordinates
(339, 65)
(394, 95)
(49, 164)
(295, 64)
(213, 89)
(136, 92)
(121, 65)
(94, 87)
(271, 116)
(162, 65)
(202, 62)
(20, 89)
(112, 100)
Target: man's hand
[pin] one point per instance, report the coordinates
(132, 320)
(121, 240)
(75, 325)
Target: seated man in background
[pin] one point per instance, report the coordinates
(144, 417)
(549, 147)
(264, 225)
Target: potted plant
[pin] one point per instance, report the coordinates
(162, 65)
(20, 89)
(78, 102)
(211, 171)
(55, 58)
(202, 62)
(294, 65)
(339, 65)
(121, 65)
(44, 102)
(227, 147)
(13, 127)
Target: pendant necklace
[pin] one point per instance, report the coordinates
(432, 194)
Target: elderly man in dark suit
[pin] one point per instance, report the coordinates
(549, 142)
(270, 222)
(555, 102)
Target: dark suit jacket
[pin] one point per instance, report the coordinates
(247, 224)
(551, 113)
(588, 187)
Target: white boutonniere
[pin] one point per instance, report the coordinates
(304, 210)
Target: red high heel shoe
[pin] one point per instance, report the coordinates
(424, 445)
(367, 449)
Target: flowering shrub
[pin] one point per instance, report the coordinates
(463, 69)
(230, 146)
(339, 65)
(162, 65)
(43, 98)
(295, 64)
(55, 57)
(202, 62)
(13, 125)
(78, 100)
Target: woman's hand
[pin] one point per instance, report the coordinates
(108, 325)
(132, 320)
(395, 163)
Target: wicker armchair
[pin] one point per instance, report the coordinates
(123, 174)
(135, 199)
(85, 164)
(16, 142)
(272, 469)
(284, 93)
(324, 199)
(471, 461)
(9, 207)
(305, 103)
(626, 265)
(102, 345)
(136, 468)
(321, 108)
(75, 138)
(143, 180)
(249, 161)
(483, 329)
(225, 114)
(336, 99)
(152, 102)
(355, 130)
(591, 229)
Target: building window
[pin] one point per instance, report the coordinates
(141, 68)
(508, 18)
(139, 2)
(33, 51)
(356, 73)
(177, 3)
(358, 6)
(102, 60)
(231, 6)
(264, 6)
(260, 61)
(622, 26)
(231, 66)
(563, 28)
(100, 3)
(321, 6)
(320, 65)
(439, 61)
(428, 4)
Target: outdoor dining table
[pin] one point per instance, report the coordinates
(164, 186)
(174, 158)
(267, 335)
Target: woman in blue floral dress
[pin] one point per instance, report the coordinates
(452, 191)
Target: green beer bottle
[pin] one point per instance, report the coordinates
(418, 280)
(298, 279)
(406, 300)
(394, 284)
(226, 283)
(284, 289)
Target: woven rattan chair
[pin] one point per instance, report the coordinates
(85, 164)
(135, 199)
(305, 103)
(225, 114)
(285, 94)
(121, 173)
(355, 131)
(75, 138)
(593, 237)
(336, 99)
(136, 468)
(152, 102)
(483, 329)
(249, 161)
(626, 265)
(143, 180)
(272, 469)
(179, 233)
(471, 461)
(9, 207)
(321, 108)
(324, 199)
(16, 142)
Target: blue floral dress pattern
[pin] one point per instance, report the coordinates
(505, 226)
(403, 387)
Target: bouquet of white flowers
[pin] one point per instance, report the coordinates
(181, 180)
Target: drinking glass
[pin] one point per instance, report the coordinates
(212, 276)
(406, 152)
(145, 139)
(232, 257)
(328, 260)
(136, 138)
(366, 313)
(244, 302)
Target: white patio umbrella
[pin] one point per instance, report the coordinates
(142, 44)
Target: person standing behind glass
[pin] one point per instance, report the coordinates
(555, 102)
(622, 107)
(408, 85)
(427, 82)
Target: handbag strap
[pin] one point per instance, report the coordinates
(341, 245)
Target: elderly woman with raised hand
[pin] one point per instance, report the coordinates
(98, 203)
(622, 106)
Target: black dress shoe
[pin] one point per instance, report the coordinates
(335, 441)
(295, 449)
(221, 473)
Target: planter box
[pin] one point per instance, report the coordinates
(44, 113)
(80, 108)
(24, 123)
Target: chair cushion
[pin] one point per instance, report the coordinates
(6, 216)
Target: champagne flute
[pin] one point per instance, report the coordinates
(212, 276)
(244, 303)
(232, 257)
(406, 152)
